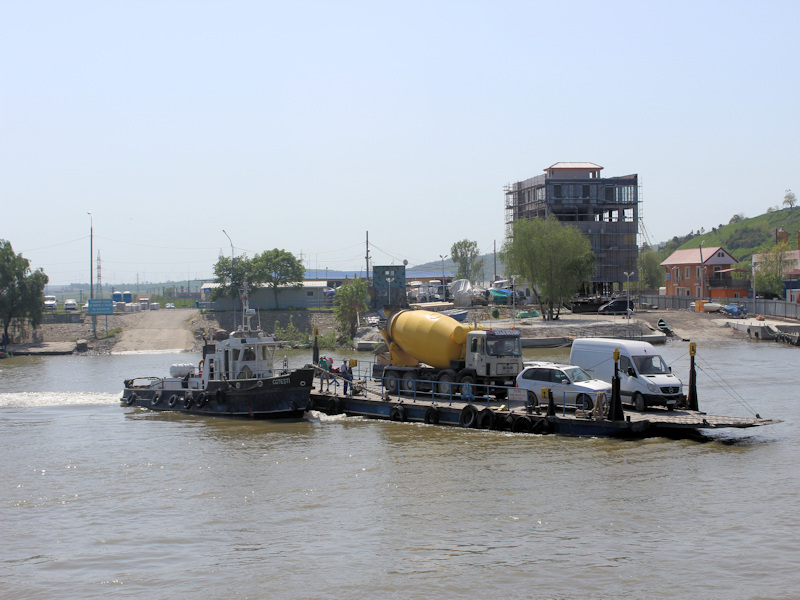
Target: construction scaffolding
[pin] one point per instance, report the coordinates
(606, 210)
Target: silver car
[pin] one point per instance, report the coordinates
(570, 385)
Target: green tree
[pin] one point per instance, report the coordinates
(555, 257)
(769, 270)
(231, 274)
(350, 301)
(21, 291)
(465, 254)
(651, 273)
(275, 268)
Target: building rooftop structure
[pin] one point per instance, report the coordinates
(605, 209)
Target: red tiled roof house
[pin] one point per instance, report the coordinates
(704, 273)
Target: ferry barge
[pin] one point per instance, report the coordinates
(516, 413)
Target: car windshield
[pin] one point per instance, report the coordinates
(576, 374)
(650, 365)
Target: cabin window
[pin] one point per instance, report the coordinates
(624, 364)
(236, 354)
(310, 294)
(249, 353)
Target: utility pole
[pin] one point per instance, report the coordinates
(367, 258)
(91, 253)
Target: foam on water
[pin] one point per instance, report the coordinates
(34, 399)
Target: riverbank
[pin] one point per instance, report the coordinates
(183, 329)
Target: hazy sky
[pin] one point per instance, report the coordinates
(303, 125)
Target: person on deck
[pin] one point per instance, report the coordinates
(347, 376)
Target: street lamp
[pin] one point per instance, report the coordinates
(628, 292)
(444, 289)
(91, 252)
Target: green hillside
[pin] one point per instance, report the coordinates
(742, 238)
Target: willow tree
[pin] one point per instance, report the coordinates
(555, 257)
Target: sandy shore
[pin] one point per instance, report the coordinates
(182, 329)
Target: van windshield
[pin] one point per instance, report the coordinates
(651, 365)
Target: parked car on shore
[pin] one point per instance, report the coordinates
(569, 384)
(169, 305)
(50, 303)
(70, 304)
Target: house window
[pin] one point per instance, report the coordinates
(310, 294)
(688, 272)
(556, 191)
(585, 191)
(735, 294)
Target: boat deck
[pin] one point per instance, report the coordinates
(371, 401)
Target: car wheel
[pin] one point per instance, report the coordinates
(638, 402)
(585, 401)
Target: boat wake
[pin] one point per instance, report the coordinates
(38, 399)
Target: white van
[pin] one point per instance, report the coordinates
(644, 378)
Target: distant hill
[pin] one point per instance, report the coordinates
(744, 237)
(452, 267)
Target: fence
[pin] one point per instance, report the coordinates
(768, 308)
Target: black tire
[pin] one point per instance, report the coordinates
(131, 399)
(188, 400)
(201, 400)
(639, 403)
(486, 419)
(585, 401)
(172, 400)
(431, 415)
(390, 382)
(398, 413)
(334, 406)
(468, 417)
(540, 426)
(533, 400)
(522, 424)
(156, 399)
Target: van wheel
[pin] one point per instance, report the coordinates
(638, 402)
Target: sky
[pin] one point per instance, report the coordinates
(189, 127)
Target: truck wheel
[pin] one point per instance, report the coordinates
(585, 401)
(409, 383)
(391, 382)
(444, 385)
(638, 402)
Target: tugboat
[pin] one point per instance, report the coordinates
(235, 378)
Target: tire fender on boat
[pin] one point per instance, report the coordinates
(334, 406)
(156, 399)
(172, 400)
(468, 417)
(486, 419)
(522, 425)
(187, 401)
(132, 398)
(431, 415)
(541, 426)
(201, 399)
(398, 413)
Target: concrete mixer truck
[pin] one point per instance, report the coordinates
(432, 352)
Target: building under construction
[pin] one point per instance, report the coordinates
(605, 209)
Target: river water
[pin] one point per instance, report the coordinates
(100, 500)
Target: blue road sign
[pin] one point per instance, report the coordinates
(101, 306)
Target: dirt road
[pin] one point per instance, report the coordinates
(158, 330)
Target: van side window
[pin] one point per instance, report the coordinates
(624, 364)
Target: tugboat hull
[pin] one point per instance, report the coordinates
(280, 397)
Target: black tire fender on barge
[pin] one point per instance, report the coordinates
(188, 399)
(172, 400)
(131, 399)
(398, 413)
(522, 424)
(486, 419)
(201, 400)
(431, 415)
(334, 406)
(468, 417)
(156, 399)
